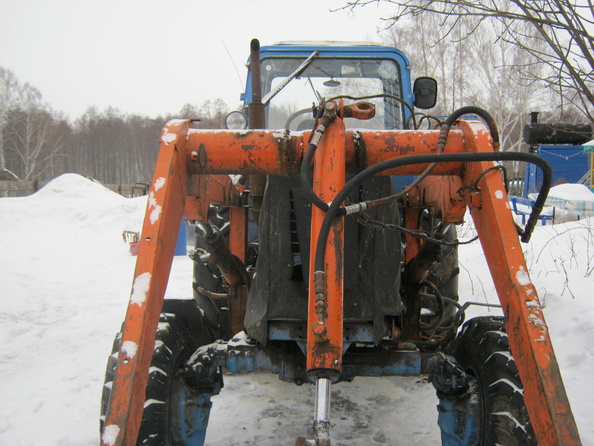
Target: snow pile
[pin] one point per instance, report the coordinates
(572, 192)
(572, 201)
(66, 276)
(63, 270)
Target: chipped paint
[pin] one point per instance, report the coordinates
(140, 289)
(130, 349)
(110, 434)
(499, 194)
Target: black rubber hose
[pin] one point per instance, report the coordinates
(445, 129)
(471, 110)
(436, 158)
(306, 179)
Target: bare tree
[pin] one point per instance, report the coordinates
(211, 113)
(8, 86)
(31, 136)
(445, 58)
(472, 67)
(560, 41)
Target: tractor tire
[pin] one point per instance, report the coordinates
(482, 349)
(175, 412)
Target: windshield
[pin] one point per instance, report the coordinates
(326, 78)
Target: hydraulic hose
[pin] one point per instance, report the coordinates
(333, 209)
(445, 130)
(306, 164)
(469, 110)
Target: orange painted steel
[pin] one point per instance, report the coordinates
(238, 232)
(280, 153)
(157, 246)
(527, 331)
(186, 152)
(206, 190)
(325, 320)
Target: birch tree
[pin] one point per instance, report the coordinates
(555, 33)
(8, 86)
(473, 67)
(31, 138)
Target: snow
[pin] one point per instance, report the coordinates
(159, 183)
(140, 288)
(572, 192)
(110, 434)
(66, 276)
(570, 202)
(130, 348)
(522, 277)
(168, 138)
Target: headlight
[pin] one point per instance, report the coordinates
(236, 120)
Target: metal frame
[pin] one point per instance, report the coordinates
(186, 183)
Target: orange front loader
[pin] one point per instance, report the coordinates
(459, 171)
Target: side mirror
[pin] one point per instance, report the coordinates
(425, 91)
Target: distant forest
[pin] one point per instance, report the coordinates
(38, 144)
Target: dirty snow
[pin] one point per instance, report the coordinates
(66, 276)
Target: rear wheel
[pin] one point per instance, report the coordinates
(495, 397)
(175, 411)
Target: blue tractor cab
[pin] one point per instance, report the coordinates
(296, 75)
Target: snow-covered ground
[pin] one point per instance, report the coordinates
(65, 277)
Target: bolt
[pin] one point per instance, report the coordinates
(320, 332)
(330, 110)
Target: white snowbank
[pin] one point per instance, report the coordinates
(572, 192)
(66, 277)
(572, 201)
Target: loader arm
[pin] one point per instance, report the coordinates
(160, 228)
(528, 333)
(187, 153)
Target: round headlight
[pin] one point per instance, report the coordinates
(236, 120)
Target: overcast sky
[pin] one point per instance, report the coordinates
(153, 56)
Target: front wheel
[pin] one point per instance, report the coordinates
(492, 412)
(175, 412)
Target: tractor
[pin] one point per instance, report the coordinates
(326, 249)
